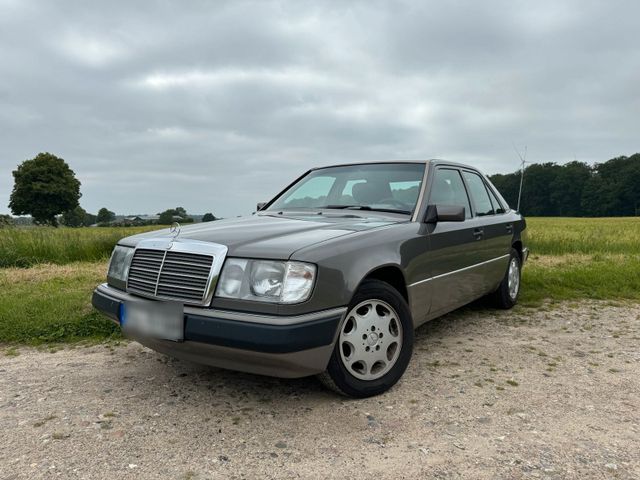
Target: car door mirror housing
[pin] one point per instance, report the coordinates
(444, 213)
(260, 205)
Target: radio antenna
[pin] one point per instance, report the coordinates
(523, 160)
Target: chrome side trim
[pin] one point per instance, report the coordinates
(442, 275)
(418, 206)
(231, 315)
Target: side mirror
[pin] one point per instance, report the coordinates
(260, 205)
(444, 213)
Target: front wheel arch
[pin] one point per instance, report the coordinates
(390, 274)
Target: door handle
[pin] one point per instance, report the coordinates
(509, 228)
(478, 233)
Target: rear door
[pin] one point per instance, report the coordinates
(496, 230)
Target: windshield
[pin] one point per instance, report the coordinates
(390, 187)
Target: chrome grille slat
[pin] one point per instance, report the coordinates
(174, 261)
(182, 281)
(178, 287)
(172, 275)
(186, 275)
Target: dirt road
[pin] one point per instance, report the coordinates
(546, 393)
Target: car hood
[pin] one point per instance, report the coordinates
(274, 236)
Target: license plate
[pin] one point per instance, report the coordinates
(164, 320)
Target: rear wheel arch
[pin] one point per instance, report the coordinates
(517, 245)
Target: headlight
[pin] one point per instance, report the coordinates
(119, 265)
(266, 280)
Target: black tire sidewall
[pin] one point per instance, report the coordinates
(505, 300)
(345, 381)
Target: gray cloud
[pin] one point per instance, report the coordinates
(217, 105)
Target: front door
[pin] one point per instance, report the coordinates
(454, 247)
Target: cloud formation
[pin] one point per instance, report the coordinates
(217, 105)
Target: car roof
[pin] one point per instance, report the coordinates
(432, 161)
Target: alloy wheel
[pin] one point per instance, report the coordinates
(370, 339)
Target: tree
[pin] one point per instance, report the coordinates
(90, 219)
(576, 189)
(171, 215)
(44, 187)
(75, 217)
(208, 217)
(105, 216)
(567, 187)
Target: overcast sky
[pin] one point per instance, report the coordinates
(217, 105)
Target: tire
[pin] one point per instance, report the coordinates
(506, 296)
(374, 344)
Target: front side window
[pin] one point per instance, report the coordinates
(448, 189)
(479, 194)
(391, 187)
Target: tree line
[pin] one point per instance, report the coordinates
(47, 189)
(576, 189)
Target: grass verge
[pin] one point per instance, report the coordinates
(575, 277)
(52, 303)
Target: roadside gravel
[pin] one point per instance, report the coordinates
(552, 392)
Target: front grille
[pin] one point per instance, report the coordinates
(170, 275)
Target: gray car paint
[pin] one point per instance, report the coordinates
(443, 265)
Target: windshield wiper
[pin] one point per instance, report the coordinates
(365, 207)
(342, 207)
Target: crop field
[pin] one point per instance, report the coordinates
(47, 275)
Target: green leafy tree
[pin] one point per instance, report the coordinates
(208, 217)
(90, 219)
(44, 187)
(75, 217)
(171, 215)
(606, 189)
(105, 216)
(566, 189)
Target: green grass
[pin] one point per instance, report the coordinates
(559, 236)
(575, 277)
(571, 259)
(52, 303)
(27, 246)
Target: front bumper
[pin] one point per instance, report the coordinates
(281, 346)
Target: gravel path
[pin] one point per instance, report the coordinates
(546, 393)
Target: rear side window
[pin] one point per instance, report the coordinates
(448, 189)
(497, 206)
(479, 195)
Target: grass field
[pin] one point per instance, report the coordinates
(571, 259)
(24, 247)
